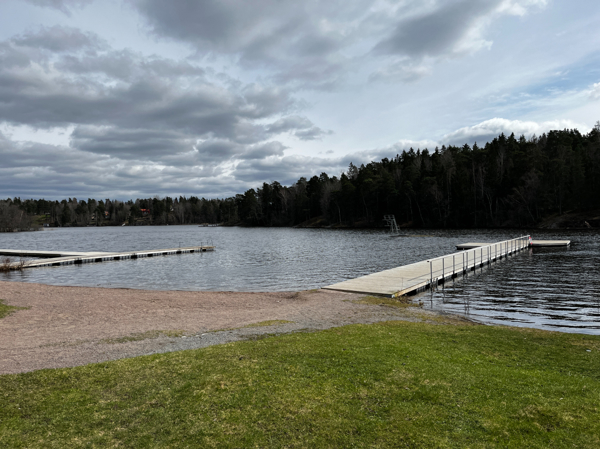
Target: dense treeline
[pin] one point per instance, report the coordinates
(508, 182)
(13, 218)
(156, 211)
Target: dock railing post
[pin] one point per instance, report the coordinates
(453, 266)
(430, 275)
(443, 269)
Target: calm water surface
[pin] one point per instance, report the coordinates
(553, 288)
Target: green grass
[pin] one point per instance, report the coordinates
(6, 310)
(259, 324)
(268, 323)
(395, 384)
(401, 302)
(143, 336)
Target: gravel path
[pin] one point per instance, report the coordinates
(71, 326)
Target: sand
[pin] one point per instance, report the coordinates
(72, 326)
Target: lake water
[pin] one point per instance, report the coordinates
(551, 288)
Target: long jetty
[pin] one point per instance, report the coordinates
(416, 277)
(58, 258)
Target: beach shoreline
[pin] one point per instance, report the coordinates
(64, 326)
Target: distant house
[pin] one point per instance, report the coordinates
(144, 212)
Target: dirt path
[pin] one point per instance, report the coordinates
(71, 326)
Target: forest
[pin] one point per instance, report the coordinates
(509, 182)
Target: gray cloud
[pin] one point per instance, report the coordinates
(138, 122)
(212, 168)
(404, 71)
(286, 169)
(31, 169)
(120, 97)
(62, 5)
(263, 150)
(438, 31)
(299, 126)
(59, 39)
(146, 125)
(127, 66)
(313, 44)
(130, 143)
(299, 40)
(260, 30)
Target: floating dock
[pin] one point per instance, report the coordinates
(410, 279)
(58, 258)
(35, 253)
(533, 243)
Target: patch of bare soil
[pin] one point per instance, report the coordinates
(71, 326)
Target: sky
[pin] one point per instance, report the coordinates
(128, 99)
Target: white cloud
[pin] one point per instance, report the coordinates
(488, 129)
(595, 91)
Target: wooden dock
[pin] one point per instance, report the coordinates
(58, 258)
(410, 279)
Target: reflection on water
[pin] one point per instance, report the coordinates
(553, 288)
(550, 288)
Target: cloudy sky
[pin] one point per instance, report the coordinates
(136, 98)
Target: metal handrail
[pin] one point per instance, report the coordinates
(516, 244)
(502, 248)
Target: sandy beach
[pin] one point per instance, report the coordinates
(71, 326)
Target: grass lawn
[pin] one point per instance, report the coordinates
(394, 384)
(6, 310)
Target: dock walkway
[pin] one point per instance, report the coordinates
(419, 276)
(58, 258)
(533, 243)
